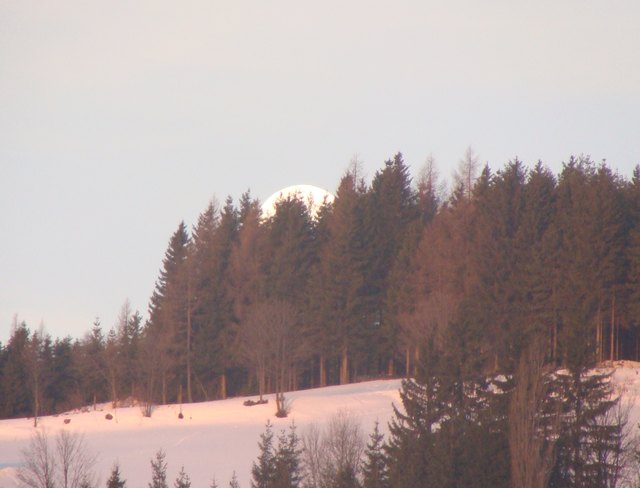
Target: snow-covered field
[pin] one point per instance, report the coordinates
(213, 439)
(217, 438)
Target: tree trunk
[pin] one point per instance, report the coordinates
(164, 388)
(390, 368)
(599, 336)
(114, 390)
(36, 404)
(613, 328)
(618, 340)
(407, 362)
(323, 371)
(189, 395)
(344, 367)
(223, 386)
(261, 381)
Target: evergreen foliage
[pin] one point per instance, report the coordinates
(159, 471)
(393, 276)
(234, 481)
(287, 460)
(114, 480)
(183, 480)
(263, 471)
(375, 471)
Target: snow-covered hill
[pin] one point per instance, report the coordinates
(213, 439)
(216, 438)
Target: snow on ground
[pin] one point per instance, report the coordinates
(217, 438)
(214, 438)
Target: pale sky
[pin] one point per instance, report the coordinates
(118, 121)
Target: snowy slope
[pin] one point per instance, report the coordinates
(214, 438)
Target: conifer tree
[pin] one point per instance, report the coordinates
(495, 302)
(340, 306)
(114, 480)
(288, 466)
(375, 472)
(391, 208)
(183, 480)
(536, 254)
(213, 237)
(291, 252)
(632, 258)
(38, 352)
(589, 445)
(90, 365)
(234, 481)
(159, 471)
(170, 312)
(263, 471)
(14, 375)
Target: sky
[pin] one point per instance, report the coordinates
(120, 119)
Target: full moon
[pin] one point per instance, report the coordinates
(312, 196)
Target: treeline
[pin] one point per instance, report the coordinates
(365, 288)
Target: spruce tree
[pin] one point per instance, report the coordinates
(114, 480)
(375, 472)
(338, 330)
(291, 251)
(287, 461)
(170, 310)
(589, 445)
(183, 480)
(391, 209)
(14, 375)
(214, 240)
(263, 471)
(159, 471)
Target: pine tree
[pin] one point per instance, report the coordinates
(183, 480)
(263, 471)
(159, 471)
(375, 472)
(114, 480)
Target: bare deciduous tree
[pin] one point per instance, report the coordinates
(466, 173)
(67, 465)
(38, 463)
(267, 339)
(74, 461)
(333, 455)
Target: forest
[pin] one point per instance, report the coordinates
(493, 300)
